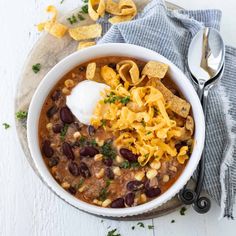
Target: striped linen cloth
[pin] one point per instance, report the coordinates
(169, 33)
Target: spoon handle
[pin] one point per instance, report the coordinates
(202, 204)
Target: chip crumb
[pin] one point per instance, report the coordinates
(85, 44)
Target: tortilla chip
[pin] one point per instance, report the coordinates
(155, 69)
(110, 76)
(90, 71)
(118, 19)
(176, 104)
(52, 26)
(112, 7)
(85, 44)
(124, 7)
(96, 8)
(86, 32)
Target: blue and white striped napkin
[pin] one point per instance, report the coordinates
(169, 33)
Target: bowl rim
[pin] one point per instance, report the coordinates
(102, 50)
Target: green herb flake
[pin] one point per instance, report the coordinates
(141, 224)
(134, 164)
(133, 227)
(72, 19)
(82, 140)
(146, 155)
(64, 131)
(81, 17)
(149, 132)
(21, 115)
(104, 192)
(62, 1)
(125, 165)
(113, 232)
(6, 126)
(107, 150)
(77, 186)
(93, 142)
(84, 9)
(143, 123)
(182, 211)
(173, 221)
(125, 100)
(85, 1)
(150, 226)
(36, 68)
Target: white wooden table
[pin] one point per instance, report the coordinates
(27, 207)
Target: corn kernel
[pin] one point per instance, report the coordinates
(100, 174)
(173, 168)
(117, 171)
(155, 165)
(165, 178)
(69, 83)
(139, 175)
(49, 126)
(99, 142)
(76, 134)
(81, 189)
(106, 203)
(65, 185)
(151, 173)
(119, 159)
(66, 91)
(98, 157)
(97, 202)
(143, 198)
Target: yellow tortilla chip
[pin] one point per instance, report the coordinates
(112, 7)
(124, 7)
(96, 8)
(90, 71)
(52, 26)
(86, 32)
(118, 19)
(110, 76)
(155, 69)
(85, 44)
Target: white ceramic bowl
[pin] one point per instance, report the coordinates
(64, 66)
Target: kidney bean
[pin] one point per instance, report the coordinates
(57, 128)
(118, 203)
(84, 170)
(66, 115)
(135, 185)
(51, 111)
(108, 161)
(67, 151)
(56, 95)
(46, 149)
(129, 199)
(109, 173)
(91, 130)
(153, 192)
(128, 155)
(73, 168)
(72, 190)
(53, 161)
(112, 65)
(88, 151)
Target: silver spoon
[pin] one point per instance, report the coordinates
(206, 56)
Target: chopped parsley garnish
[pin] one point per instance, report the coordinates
(84, 1)
(141, 224)
(126, 164)
(36, 68)
(107, 150)
(182, 211)
(21, 115)
(82, 140)
(150, 226)
(113, 232)
(112, 98)
(173, 221)
(93, 142)
(81, 17)
(84, 9)
(64, 131)
(133, 227)
(146, 155)
(72, 19)
(62, 1)
(6, 126)
(149, 132)
(104, 192)
(143, 123)
(77, 186)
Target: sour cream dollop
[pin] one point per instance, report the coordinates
(84, 98)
